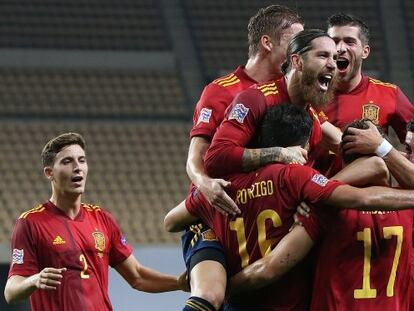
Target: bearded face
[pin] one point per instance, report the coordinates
(317, 86)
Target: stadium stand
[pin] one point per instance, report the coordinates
(90, 93)
(77, 24)
(221, 53)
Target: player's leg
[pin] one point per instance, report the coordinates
(205, 262)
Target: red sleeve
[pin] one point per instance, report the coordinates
(309, 183)
(404, 112)
(209, 111)
(198, 206)
(120, 249)
(23, 250)
(225, 154)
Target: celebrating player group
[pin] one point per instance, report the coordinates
(298, 201)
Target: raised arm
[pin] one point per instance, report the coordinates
(148, 280)
(331, 137)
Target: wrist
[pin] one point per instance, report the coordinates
(383, 149)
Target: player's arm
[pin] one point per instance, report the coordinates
(227, 153)
(364, 171)
(212, 188)
(178, 218)
(288, 252)
(256, 158)
(148, 280)
(331, 136)
(21, 287)
(370, 198)
(367, 142)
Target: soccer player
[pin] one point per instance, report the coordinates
(359, 96)
(269, 32)
(61, 249)
(362, 261)
(310, 69)
(268, 200)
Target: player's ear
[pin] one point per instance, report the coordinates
(296, 61)
(48, 172)
(266, 43)
(366, 49)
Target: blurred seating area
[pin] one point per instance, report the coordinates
(135, 113)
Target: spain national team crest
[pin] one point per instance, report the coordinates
(99, 242)
(371, 112)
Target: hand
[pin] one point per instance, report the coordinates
(183, 282)
(213, 190)
(294, 155)
(362, 141)
(303, 209)
(48, 278)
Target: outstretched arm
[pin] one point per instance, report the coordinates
(148, 280)
(20, 287)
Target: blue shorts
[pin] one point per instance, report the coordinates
(200, 243)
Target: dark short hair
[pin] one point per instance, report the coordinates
(342, 19)
(56, 144)
(271, 20)
(300, 44)
(361, 124)
(284, 125)
(410, 125)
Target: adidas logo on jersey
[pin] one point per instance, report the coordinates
(58, 240)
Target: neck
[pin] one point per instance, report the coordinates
(293, 89)
(69, 204)
(259, 68)
(347, 87)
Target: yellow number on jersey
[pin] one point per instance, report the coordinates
(366, 291)
(264, 244)
(84, 274)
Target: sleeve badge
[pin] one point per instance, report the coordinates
(205, 115)
(17, 256)
(320, 180)
(238, 113)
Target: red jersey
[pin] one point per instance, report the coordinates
(216, 97)
(225, 154)
(383, 103)
(46, 237)
(268, 199)
(364, 260)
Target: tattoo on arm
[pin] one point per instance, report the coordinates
(255, 158)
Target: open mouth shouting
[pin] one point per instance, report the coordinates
(324, 81)
(342, 64)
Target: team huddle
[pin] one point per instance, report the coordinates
(297, 200)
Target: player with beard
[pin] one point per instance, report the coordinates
(269, 32)
(309, 80)
(359, 96)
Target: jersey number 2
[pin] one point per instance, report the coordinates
(84, 273)
(366, 291)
